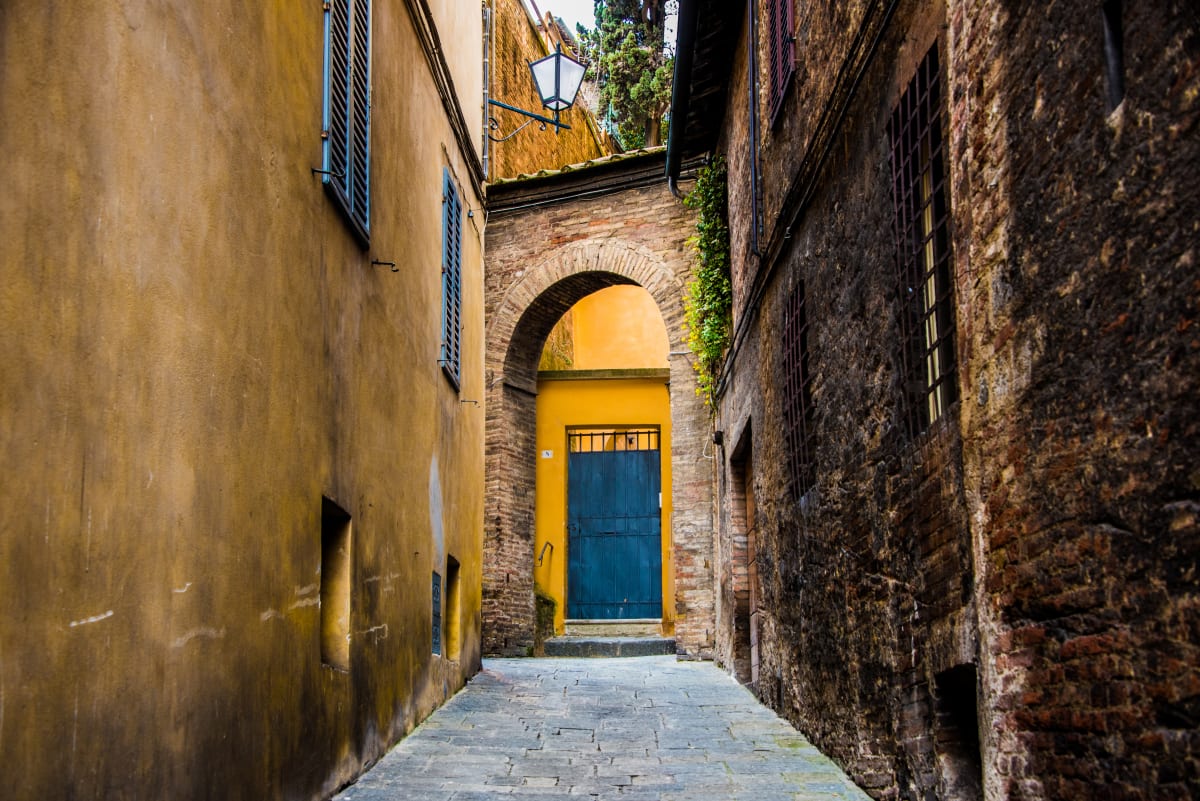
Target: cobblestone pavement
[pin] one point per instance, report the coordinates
(643, 728)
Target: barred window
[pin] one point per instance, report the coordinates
(799, 419)
(346, 113)
(922, 231)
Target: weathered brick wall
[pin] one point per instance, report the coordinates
(1042, 537)
(550, 242)
(1081, 412)
(866, 582)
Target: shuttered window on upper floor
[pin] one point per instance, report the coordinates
(451, 355)
(346, 123)
(782, 51)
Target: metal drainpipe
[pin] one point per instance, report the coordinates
(752, 80)
(681, 90)
(487, 77)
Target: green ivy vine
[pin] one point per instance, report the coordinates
(708, 303)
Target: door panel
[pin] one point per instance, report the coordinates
(614, 535)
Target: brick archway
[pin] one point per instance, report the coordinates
(539, 297)
(633, 235)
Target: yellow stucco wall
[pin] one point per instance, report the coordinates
(618, 328)
(196, 351)
(566, 404)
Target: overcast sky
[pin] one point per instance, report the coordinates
(572, 11)
(584, 13)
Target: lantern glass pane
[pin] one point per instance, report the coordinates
(543, 78)
(570, 76)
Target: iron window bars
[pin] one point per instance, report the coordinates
(923, 258)
(781, 52)
(799, 418)
(613, 440)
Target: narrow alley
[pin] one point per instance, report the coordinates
(360, 354)
(641, 728)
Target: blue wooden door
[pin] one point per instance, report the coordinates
(614, 545)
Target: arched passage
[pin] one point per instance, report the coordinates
(528, 292)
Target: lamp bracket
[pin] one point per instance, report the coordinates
(494, 125)
(542, 119)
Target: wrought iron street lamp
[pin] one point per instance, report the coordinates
(557, 78)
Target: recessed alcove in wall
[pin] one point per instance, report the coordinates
(335, 585)
(452, 641)
(960, 764)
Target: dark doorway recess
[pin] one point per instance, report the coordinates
(960, 765)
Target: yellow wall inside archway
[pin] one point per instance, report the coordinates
(616, 347)
(619, 328)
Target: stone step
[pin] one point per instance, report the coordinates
(609, 646)
(649, 627)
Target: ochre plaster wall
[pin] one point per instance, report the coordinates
(515, 41)
(196, 351)
(618, 328)
(565, 404)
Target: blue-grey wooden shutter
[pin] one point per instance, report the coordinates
(347, 108)
(451, 279)
(782, 52)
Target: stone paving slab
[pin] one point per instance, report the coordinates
(641, 729)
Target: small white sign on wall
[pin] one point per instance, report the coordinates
(547, 454)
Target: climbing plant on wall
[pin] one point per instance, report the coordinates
(709, 299)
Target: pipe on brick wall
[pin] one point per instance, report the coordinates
(807, 178)
(752, 83)
(681, 89)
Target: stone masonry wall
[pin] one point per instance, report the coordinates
(866, 582)
(1081, 412)
(633, 232)
(1004, 606)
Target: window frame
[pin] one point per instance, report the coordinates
(924, 249)
(798, 411)
(781, 53)
(346, 112)
(450, 356)
(435, 646)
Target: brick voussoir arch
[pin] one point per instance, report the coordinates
(576, 270)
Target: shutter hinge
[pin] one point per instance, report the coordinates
(325, 135)
(325, 5)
